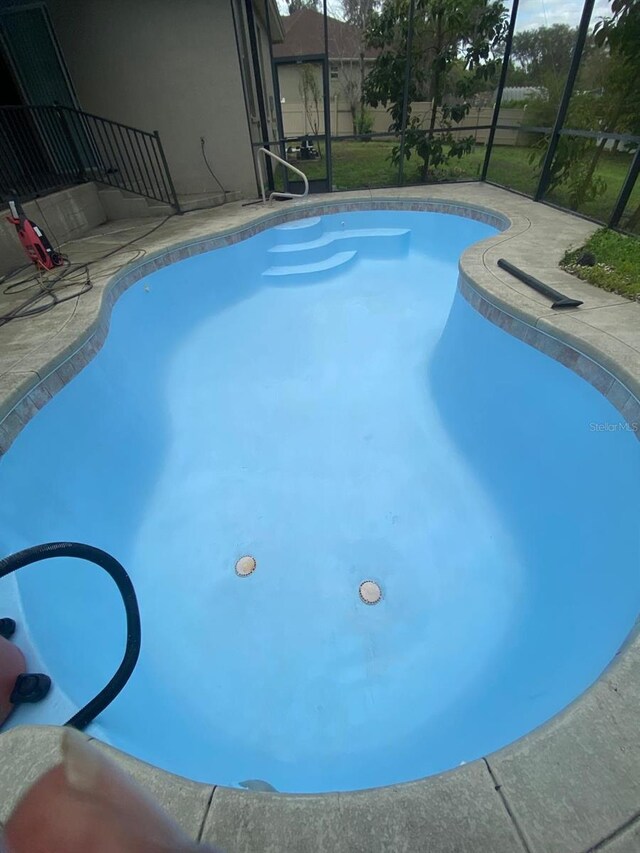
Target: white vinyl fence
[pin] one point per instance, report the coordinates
(298, 121)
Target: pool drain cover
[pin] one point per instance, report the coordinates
(245, 566)
(370, 592)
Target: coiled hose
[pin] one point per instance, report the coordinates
(36, 554)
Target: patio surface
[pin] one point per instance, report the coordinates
(572, 785)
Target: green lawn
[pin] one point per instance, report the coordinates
(617, 262)
(359, 165)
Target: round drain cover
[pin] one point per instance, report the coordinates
(370, 592)
(245, 566)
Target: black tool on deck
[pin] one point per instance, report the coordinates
(559, 299)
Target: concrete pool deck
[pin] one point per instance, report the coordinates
(573, 784)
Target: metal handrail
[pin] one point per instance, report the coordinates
(288, 165)
(45, 148)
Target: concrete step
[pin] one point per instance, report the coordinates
(369, 242)
(339, 259)
(203, 201)
(122, 204)
(119, 204)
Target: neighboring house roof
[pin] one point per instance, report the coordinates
(304, 36)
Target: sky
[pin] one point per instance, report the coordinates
(531, 13)
(544, 13)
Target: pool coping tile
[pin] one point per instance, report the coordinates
(458, 812)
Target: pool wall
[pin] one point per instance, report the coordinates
(570, 785)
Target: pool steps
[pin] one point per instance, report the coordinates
(339, 259)
(303, 248)
(312, 223)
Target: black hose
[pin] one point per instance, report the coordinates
(122, 580)
(48, 290)
(211, 172)
(31, 308)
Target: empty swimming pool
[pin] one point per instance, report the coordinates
(273, 424)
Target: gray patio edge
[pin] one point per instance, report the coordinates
(572, 785)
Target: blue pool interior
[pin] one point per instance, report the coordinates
(319, 396)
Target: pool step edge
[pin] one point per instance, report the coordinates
(336, 260)
(373, 243)
(336, 236)
(299, 231)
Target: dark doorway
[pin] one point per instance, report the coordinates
(24, 164)
(9, 90)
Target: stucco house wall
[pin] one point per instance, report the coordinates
(167, 65)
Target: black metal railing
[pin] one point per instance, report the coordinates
(46, 148)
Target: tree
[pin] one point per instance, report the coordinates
(358, 13)
(606, 98)
(311, 94)
(445, 33)
(621, 34)
(350, 91)
(516, 75)
(298, 5)
(543, 52)
(621, 31)
(572, 168)
(615, 110)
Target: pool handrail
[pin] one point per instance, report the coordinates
(287, 165)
